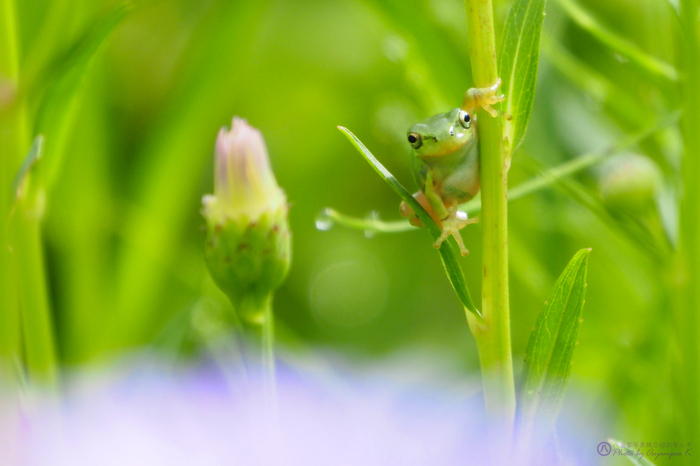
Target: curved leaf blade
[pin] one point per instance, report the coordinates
(518, 61)
(448, 251)
(622, 45)
(550, 348)
(60, 106)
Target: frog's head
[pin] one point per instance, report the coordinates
(441, 134)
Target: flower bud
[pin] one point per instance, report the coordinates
(630, 183)
(248, 243)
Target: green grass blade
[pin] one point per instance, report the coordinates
(619, 44)
(28, 264)
(37, 321)
(518, 60)
(448, 251)
(549, 353)
(60, 106)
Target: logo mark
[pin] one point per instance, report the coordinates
(604, 449)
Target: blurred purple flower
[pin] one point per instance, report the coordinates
(202, 418)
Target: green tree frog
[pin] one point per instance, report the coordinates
(445, 163)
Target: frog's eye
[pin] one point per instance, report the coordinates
(415, 140)
(465, 120)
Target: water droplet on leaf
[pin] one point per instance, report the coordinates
(324, 221)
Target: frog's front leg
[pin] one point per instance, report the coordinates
(483, 97)
(451, 220)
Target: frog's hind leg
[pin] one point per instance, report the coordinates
(408, 212)
(450, 221)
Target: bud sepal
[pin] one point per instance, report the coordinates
(247, 258)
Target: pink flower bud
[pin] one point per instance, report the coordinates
(248, 245)
(243, 179)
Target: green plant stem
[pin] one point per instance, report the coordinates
(10, 133)
(493, 336)
(37, 327)
(21, 229)
(687, 276)
(259, 332)
(268, 350)
(329, 217)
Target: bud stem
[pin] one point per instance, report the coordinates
(259, 334)
(268, 352)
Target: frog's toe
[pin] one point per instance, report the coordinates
(451, 228)
(462, 219)
(484, 97)
(487, 100)
(492, 111)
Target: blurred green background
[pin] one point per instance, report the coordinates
(123, 232)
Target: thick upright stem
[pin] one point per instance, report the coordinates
(493, 337)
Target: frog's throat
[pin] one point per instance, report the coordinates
(463, 150)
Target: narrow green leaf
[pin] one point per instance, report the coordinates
(619, 44)
(631, 454)
(518, 60)
(75, 54)
(61, 104)
(448, 251)
(550, 349)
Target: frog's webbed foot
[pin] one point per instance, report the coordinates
(483, 97)
(451, 226)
